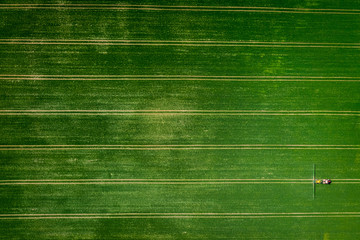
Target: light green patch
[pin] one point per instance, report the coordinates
(326, 236)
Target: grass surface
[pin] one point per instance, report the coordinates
(179, 121)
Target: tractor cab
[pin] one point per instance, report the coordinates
(326, 181)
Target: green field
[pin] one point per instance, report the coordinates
(178, 119)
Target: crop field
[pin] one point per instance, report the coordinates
(181, 119)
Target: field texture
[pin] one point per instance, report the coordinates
(179, 119)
